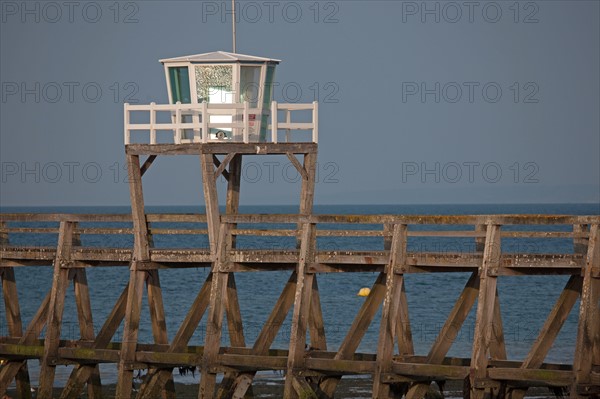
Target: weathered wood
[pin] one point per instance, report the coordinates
(552, 326)
(215, 317)
(302, 302)
(223, 164)
(266, 336)
(159, 377)
(448, 332)
(60, 281)
(589, 318)
(130, 333)
(14, 323)
(86, 326)
(316, 324)
(485, 310)
(391, 310)
(359, 326)
(141, 255)
(83, 373)
(34, 329)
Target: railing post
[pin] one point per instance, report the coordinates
(288, 120)
(274, 122)
(486, 303)
(587, 347)
(178, 123)
(315, 117)
(388, 329)
(127, 133)
(205, 119)
(295, 384)
(246, 132)
(152, 123)
(60, 282)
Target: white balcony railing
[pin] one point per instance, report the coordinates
(203, 123)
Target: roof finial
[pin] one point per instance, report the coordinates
(233, 23)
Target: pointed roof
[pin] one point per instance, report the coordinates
(219, 56)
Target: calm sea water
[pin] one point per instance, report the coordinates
(525, 300)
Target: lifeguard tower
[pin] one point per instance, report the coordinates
(221, 108)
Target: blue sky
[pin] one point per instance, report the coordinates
(420, 102)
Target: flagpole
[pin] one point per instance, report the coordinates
(233, 23)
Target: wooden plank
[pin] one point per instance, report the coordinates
(302, 301)
(220, 148)
(211, 200)
(485, 310)
(589, 320)
(60, 281)
(389, 315)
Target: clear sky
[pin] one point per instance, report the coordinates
(420, 102)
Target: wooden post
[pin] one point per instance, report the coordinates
(485, 311)
(588, 335)
(60, 282)
(215, 317)
(391, 309)
(84, 372)
(141, 255)
(295, 384)
(86, 325)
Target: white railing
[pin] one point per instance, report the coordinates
(193, 123)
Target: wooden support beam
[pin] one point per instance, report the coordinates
(316, 324)
(485, 310)
(217, 163)
(14, 323)
(137, 276)
(552, 326)
(34, 329)
(223, 164)
(147, 164)
(588, 336)
(158, 378)
(391, 309)
(84, 372)
(215, 317)
(211, 200)
(302, 302)
(448, 332)
(86, 326)
(359, 327)
(60, 281)
(265, 338)
(301, 170)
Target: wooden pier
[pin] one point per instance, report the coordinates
(313, 372)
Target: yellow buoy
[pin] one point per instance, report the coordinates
(365, 291)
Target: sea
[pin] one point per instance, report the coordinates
(525, 300)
